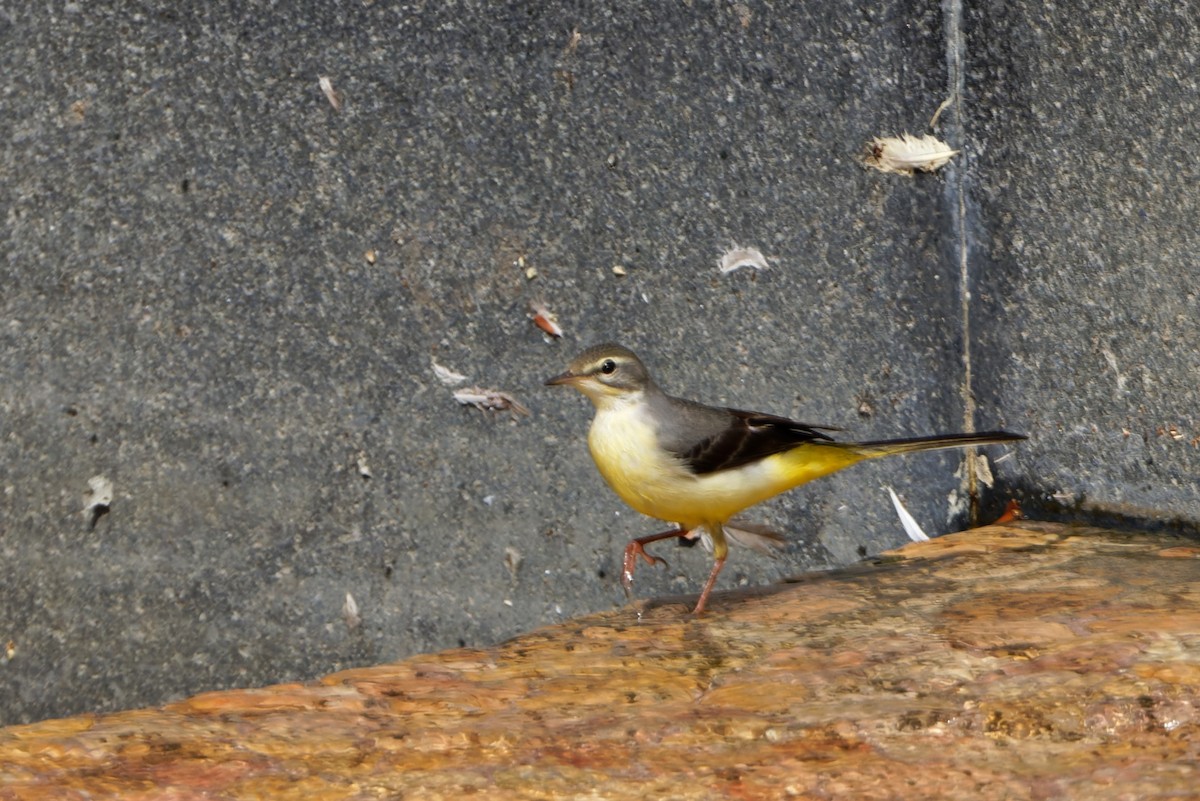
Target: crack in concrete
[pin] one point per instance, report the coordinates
(956, 187)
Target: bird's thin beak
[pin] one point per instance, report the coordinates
(566, 378)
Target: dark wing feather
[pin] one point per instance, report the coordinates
(748, 437)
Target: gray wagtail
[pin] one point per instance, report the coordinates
(697, 466)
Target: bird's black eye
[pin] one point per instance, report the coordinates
(608, 367)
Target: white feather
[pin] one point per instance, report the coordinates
(447, 376)
(911, 527)
(905, 153)
(738, 257)
(755, 536)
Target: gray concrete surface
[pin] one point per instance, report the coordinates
(1087, 252)
(189, 309)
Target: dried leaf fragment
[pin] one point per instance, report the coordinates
(490, 400)
(905, 153)
(744, 14)
(513, 560)
(738, 257)
(447, 376)
(97, 498)
(350, 613)
(545, 319)
(573, 41)
(983, 472)
(364, 469)
(1012, 512)
(331, 94)
(1064, 497)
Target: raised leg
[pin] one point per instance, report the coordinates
(636, 548)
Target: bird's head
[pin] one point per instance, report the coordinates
(608, 374)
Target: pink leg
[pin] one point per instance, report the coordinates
(636, 548)
(716, 531)
(708, 585)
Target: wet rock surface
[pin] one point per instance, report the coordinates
(1027, 661)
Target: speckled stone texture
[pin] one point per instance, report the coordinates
(1032, 661)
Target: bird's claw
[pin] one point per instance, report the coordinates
(632, 551)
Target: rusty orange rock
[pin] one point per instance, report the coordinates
(1023, 661)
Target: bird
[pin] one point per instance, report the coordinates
(696, 466)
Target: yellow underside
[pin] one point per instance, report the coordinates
(659, 486)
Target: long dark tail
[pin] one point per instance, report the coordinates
(886, 447)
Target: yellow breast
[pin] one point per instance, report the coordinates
(625, 449)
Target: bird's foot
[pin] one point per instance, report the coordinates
(632, 551)
(637, 548)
